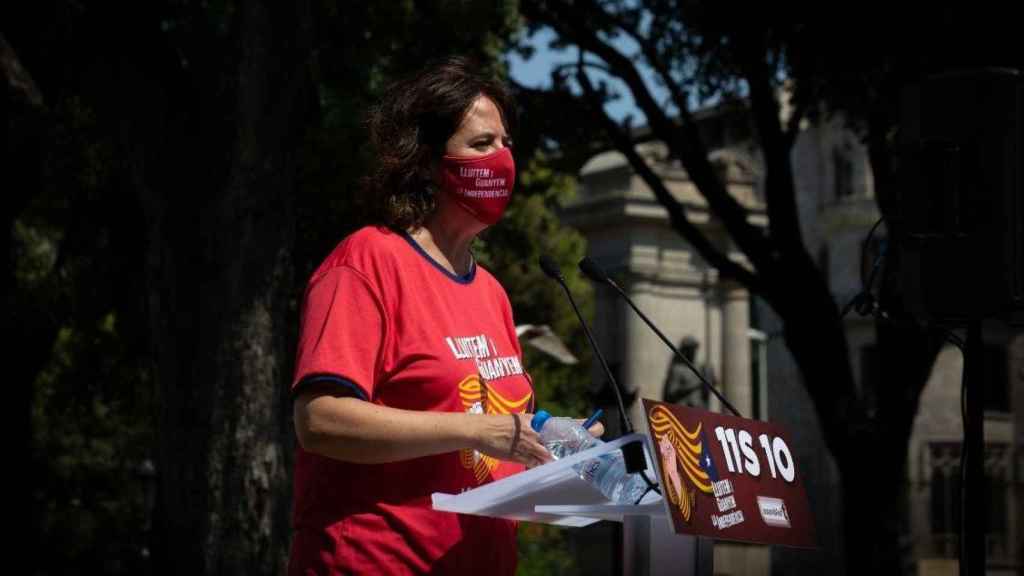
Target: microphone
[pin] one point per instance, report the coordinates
(551, 269)
(633, 453)
(597, 274)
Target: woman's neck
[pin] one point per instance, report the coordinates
(447, 235)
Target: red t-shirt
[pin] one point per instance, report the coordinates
(388, 324)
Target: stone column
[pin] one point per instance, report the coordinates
(735, 376)
(645, 359)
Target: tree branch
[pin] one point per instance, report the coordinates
(684, 141)
(780, 191)
(679, 97)
(676, 211)
(558, 70)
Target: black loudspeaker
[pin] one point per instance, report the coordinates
(960, 198)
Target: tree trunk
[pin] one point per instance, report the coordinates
(816, 338)
(219, 315)
(868, 428)
(874, 467)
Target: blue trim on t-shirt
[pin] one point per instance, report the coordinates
(461, 279)
(360, 393)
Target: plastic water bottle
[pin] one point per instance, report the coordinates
(607, 472)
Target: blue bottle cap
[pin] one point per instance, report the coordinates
(539, 419)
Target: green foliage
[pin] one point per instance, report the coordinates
(90, 437)
(90, 399)
(92, 417)
(545, 550)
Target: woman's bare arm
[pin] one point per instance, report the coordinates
(354, 430)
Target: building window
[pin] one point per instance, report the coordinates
(944, 499)
(944, 488)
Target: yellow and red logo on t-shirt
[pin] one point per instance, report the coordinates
(482, 398)
(481, 394)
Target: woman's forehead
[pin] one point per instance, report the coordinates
(483, 115)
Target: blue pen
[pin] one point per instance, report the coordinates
(593, 418)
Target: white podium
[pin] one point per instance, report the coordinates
(555, 494)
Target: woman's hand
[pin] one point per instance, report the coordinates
(498, 437)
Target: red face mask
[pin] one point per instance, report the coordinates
(480, 184)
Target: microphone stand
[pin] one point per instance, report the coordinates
(633, 453)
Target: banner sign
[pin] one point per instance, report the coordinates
(728, 478)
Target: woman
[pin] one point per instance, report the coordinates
(408, 376)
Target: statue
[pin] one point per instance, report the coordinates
(681, 385)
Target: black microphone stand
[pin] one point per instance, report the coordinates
(633, 452)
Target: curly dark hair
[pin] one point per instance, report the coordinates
(409, 129)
